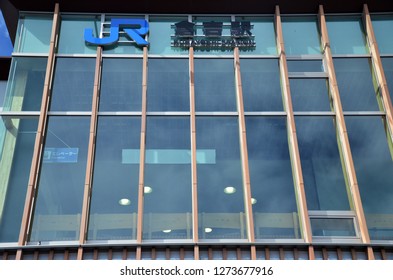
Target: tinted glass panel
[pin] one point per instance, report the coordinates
(121, 85)
(220, 192)
(168, 85)
(17, 138)
(60, 186)
(332, 227)
(25, 84)
(382, 26)
(72, 39)
(374, 169)
(161, 30)
(114, 202)
(355, 83)
(33, 34)
(310, 94)
(73, 84)
(261, 85)
(323, 176)
(167, 201)
(264, 36)
(3, 87)
(301, 35)
(346, 35)
(388, 69)
(305, 66)
(272, 190)
(211, 95)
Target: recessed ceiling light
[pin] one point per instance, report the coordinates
(147, 189)
(207, 230)
(229, 190)
(253, 200)
(166, 230)
(124, 201)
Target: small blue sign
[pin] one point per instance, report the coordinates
(134, 33)
(61, 155)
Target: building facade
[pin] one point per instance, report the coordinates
(132, 134)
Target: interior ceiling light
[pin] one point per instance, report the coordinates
(166, 230)
(124, 201)
(207, 230)
(147, 189)
(229, 190)
(253, 200)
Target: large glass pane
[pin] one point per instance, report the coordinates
(301, 35)
(114, 201)
(71, 40)
(121, 85)
(323, 176)
(25, 84)
(356, 84)
(346, 35)
(58, 206)
(387, 63)
(305, 65)
(3, 87)
(374, 169)
(272, 190)
(310, 94)
(382, 26)
(17, 138)
(34, 33)
(214, 85)
(167, 200)
(261, 85)
(73, 84)
(264, 36)
(168, 85)
(160, 35)
(220, 191)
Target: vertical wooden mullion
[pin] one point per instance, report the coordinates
(90, 154)
(379, 72)
(342, 130)
(292, 138)
(194, 180)
(34, 170)
(142, 155)
(244, 153)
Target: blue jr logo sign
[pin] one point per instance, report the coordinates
(134, 28)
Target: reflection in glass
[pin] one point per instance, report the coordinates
(121, 85)
(114, 201)
(301, 35)
(167, 208)
(220, 186)
(323, 176)
(168, 85)
(73, 84)
(261, 85)
(346, 35)
(214, 85)
(17, 138)
(58, 204)
(265, 37)
(387, 63)
(355, 83)
(25, 84)
(333, 227)
(274, 208)
(71, 40)
(382, 26)
(374, 170)
(160, 31)
(33, 35)
(310, 94)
